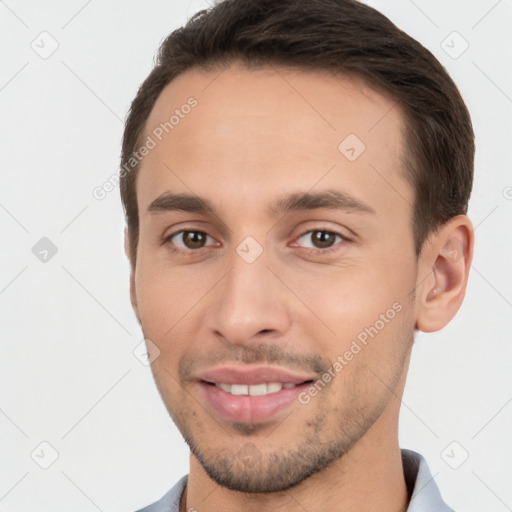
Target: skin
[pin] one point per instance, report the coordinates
(254, 136)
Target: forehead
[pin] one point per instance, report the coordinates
(323, 100)
(271, 126)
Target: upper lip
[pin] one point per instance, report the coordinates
(252, 375)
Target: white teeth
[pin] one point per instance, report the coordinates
(254, 389)
(239, 389)
(258, 389)
(274, 387)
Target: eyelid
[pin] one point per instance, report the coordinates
(167, 239)
(344, 239)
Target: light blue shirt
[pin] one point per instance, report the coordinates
(425, 496)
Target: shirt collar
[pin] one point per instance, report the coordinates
(423, 491)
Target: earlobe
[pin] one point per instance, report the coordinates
(445, 261)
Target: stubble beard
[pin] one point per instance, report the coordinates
(250, 468)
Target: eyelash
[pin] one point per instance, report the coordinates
(312, 251)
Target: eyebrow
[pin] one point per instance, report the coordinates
(295, 201)
(330, 199)
(168, 202)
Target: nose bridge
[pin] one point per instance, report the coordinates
(249, 299)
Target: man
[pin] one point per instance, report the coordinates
(295, 178)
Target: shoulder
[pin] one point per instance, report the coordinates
(170, 501)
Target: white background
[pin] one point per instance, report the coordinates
(67, 372)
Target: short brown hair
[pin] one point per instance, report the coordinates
(341, 36)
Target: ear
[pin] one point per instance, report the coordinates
(443, 271)
(133, 295)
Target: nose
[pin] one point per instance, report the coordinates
(249, 304)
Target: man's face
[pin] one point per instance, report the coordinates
(262, 297)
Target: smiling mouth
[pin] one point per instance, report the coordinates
(262, 389)
(251, 403)
(251, 393)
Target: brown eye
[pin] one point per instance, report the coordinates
(320, 239)
(189, 239)
(194, 239)
(323, 239)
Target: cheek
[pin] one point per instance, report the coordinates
(169, 299)
(157, 291)
(168, 317)
(355, 303)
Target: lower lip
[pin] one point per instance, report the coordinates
(246, 408)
